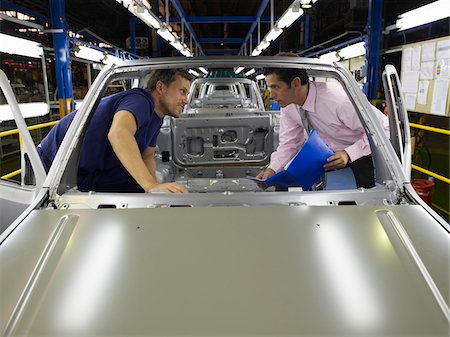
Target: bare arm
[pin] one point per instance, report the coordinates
(121, 136)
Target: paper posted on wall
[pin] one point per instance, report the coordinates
(306, 168)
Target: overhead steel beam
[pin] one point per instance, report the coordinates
(6, 5)
(221, 51)
(182, 13)
(261, 9)
(221, 19)
(221, 40)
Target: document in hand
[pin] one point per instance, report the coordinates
(305, 168)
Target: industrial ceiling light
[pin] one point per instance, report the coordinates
(238, 70)
(203, 70)
(177, 45)
(256, 52)
(142, 12)
(165, 33)
(90, 54)
(263, 45)
(260, 77)
(147, 17)
(15, 45)
(273, 34)
(354, 50)
(193, 72)
(109, 59)
(329, 57)
(290, 15)
(251, 71)
(306, 4)
(420, 16)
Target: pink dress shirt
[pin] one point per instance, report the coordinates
(332, 114)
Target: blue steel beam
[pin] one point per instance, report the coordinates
(373, 30)
(220, 40)
(261, 9)
(221, 51)
(6, 5)
(182, 13)
(62, 58)
(220, 19)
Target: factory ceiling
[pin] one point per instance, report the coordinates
(220, 26)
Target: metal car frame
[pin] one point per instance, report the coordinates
(230, 259)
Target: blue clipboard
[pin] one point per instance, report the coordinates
(306, 168)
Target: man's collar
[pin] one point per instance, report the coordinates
(309, 104)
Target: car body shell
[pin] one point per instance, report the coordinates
(227, 258)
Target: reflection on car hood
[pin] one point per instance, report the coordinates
(272, 270)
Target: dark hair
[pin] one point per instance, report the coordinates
(288, 74)
(167, 76)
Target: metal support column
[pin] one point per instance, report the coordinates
(62, 58)
(157, 39)
(373, 42)
(307, 26)
(133, 35)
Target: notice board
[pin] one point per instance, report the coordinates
(425, 76)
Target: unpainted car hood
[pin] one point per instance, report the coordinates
(265, 270)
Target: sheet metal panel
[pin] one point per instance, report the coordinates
(272, 270)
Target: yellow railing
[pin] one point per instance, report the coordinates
(33, 127)
(421, 169)
(16, 131)
(414, 167)
(429, 128)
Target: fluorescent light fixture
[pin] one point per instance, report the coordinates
(352, 51)
(203, 70)
(89, 54)
(260, 77)
(273, 34)
(420, 16)
(148, 18)
(289, 16)
(329, 57)
(166, 34)
(193, 72)
(263, 45)
(27, 109)
(177, 45)
(109, 59)
(251, 71)
(238, 70)
(187, 52)
(256, 51)
(17, 46)
(141, 12)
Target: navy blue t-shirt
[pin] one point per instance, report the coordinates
(99, 169)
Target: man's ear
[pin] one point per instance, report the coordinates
(296, 82)
(159, 87)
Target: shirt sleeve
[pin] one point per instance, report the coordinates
(138, 105)
(291, 138)
(361, 146)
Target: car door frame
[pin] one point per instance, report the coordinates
(21, 195)
(400, 134)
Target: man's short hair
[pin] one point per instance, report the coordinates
(288, 74)
(166, 76)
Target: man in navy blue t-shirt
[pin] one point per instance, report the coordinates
(118, 150)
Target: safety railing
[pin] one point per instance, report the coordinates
(428, 172)
(16, 131)
(413, 125)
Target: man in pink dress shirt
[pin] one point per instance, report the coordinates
(329, 111)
